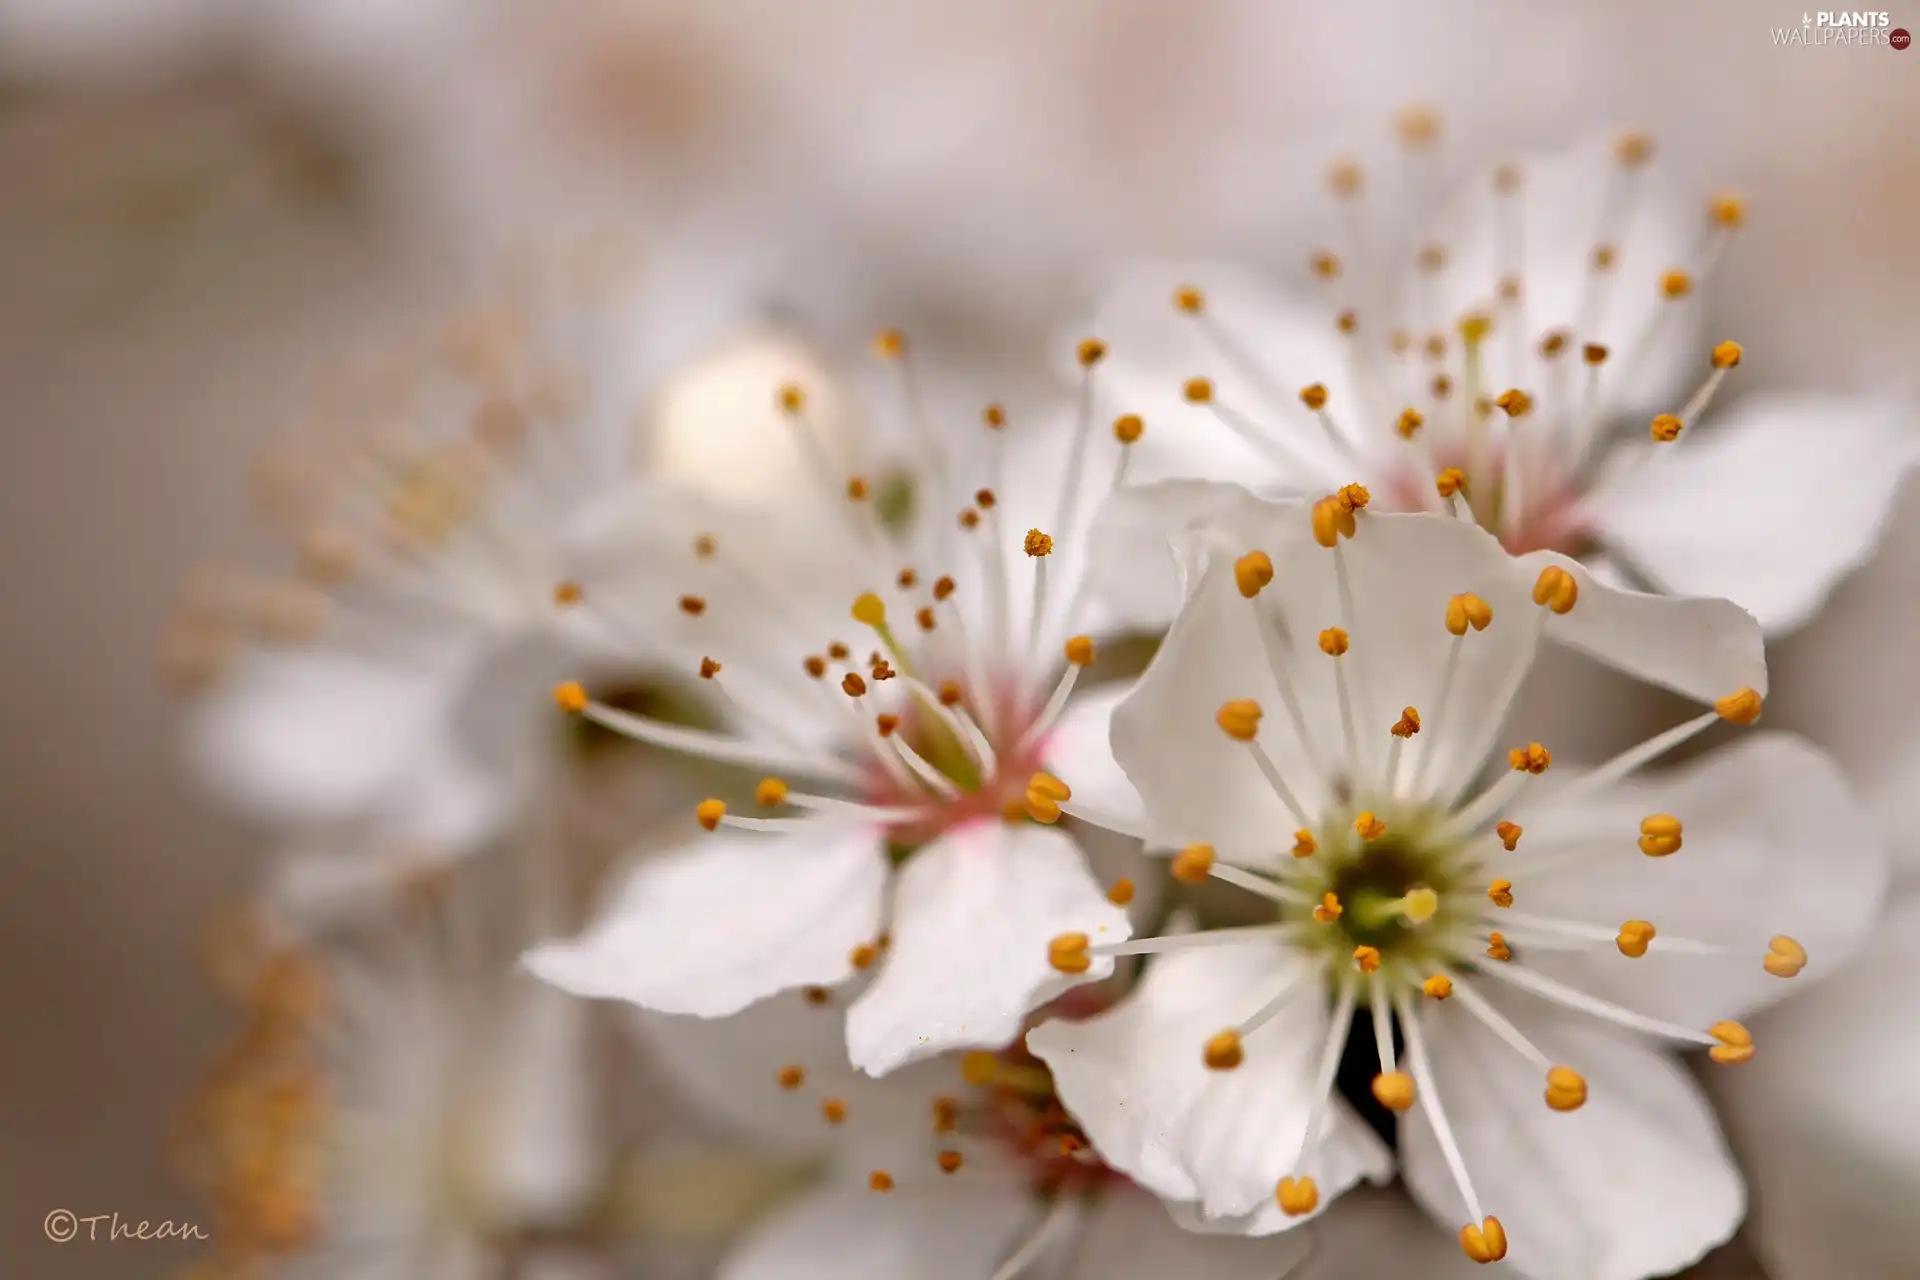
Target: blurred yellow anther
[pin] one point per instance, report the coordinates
(1484, 1243)
(570, 696)
(1438, 987)
(1394, 1090)
(1554, 343)
(993, 417)
(692, 606)
(980, 1068)
(1080, 651)
(792, 397)
(833, 1111)
(1417, 126)
(1509, 833)
(1127, 428)
(1090, 352)
(1368, 826)
(770, 792)
(1634, 938)
(1497, 948)
(1334, 642)
(816, 996)
(792, 1077)
(985, 499)
(1239, 719)
(1329, 909)
(946, 1111)
(1727, 210)
(1344, 178)
(1532, 758)
(1252, 572)
(907, 579)
(1353, 497)
(1506, 180)
(863, 956)
(949, 1161)
(1121, 893)
(1325, 265)
(951, 695)
(1193, 864)
(1040, 808)
(1409, 423)
(1420, 904)
(869, 610)
(1450, 481)
(815, 666)
(1604, 257)
(889, 343)
(1049, 786)
(880, 1180)
(1431, 258)
(857, 490)
(1197, 390)
(704, 546)
(1500, 893)
(852, 685)
(1785, 957)
(569, 593)
(1727, 355)
(1676, 284)
(1556, 589)
(1742, 706)
(1366, 959)
(1222, 1051)
(1314, 396)
(709, 668)
(1566, 1089)
(1467, 610)
(942, 587)
(1346, 322)
(923, 616)
(1297, 1197)
(1632, 148)
(1660, 835)
(709, 812)
(1067, 953)
(1665, 428)
(1594, 353)
(1514, 402)
(1436, 348)
(1304, 845)
(1332, 520)
(1474, 327)
(1736, 1043)
(1189, 299)
(838, 651)
(1038, 544)
(1509, 288)
(1408, 724)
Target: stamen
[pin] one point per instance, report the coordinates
(1785, 957)
(1436, 1113)
(1193, 864)
(1122, 892)
(1058, 1213)
(1233, 936)
(1252, 572)
(1223, 1051)
(1268, 889)
(1091, 352)
(1634, 937)
(1509, 834)
(1560, 993)
(1038, 547)
(1329, 909)
(1438, 987)
(1127, 429)
(1500, 893)
(1303, 1196)
(706, 745)
(1735, 1043)
(1634, 758)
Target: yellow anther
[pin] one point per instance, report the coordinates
(1189, 299)
(946, 1111)
(569, 593)
(1554, 343)
(1509, 833)
(1121, 893)
(770, 792)
(815, 666)
(1435, 346)
(980, 1068)
(1438, 987)
(1676, 284)
(1366, 959)
(1252, 572)
(1497, 947)
(1532, 758)
(1080, 651)
(692, 606)
(1223, 1051)
(709, 812)
(1727, 355)
(1067, 953)
(1408, 724)
(1594, 353)
(1409, 423)
(1332, 520)
(1736, 1043)
(924, 619)
(1344, 178)
(950, 1161)
(1304, 845)
(1666, 428)
(1369, 827)
(816, 996)
(1197, 390)
(1506, 179)
(857, 489)
(907, 579)
(1509, 288)
(1394, 1090)
(1604, 257)
(1467, 610)
(942, 587)
(1514, 402)
(1556, 589)
(1484, 1243)
(869, 610)
(833, 1111)
(1727, 210)
(792, 1077)
(1500, 893)
(1660, 835)
(792, 397)
(1038, 544)
(1090, 352)
(704, 546)
(1353, 497)
(709, 668)
(1742, 706)
(889, 343)
(1450, 481)
(1239, 719)
(1632, 148)
(1047, 785)
(852, 685)
(1334, 642)
(1298, 1197)
(1417, 126)
(570, 696)
(1634, 938)
(1420, 904)
(1128, 428)
(1785, 957)
(1314, 396)
(1193, 864)
(1346, 322)
(1329, 909)
(984, 499)
(880, 1180)
(863, 956)
(951, 694)
(1325, 265)
(1431, 258)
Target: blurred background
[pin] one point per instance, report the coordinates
(204, 201)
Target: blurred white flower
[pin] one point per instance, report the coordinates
(1542, 309)
(903, 841)
(1482, 921)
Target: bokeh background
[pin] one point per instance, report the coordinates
(202, 201)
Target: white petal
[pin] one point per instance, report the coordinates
(957, 1230)
(1773, 843)
(1135, 1080)
(1824, 1121)
(1133, 569)
(972, 916)
(1746, 510)
(545, 1144)
(727, 920)
(1079, 750)
(1636, 1183)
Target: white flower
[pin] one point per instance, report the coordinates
(900, 759)
(1315, 730)
(1541, 311)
